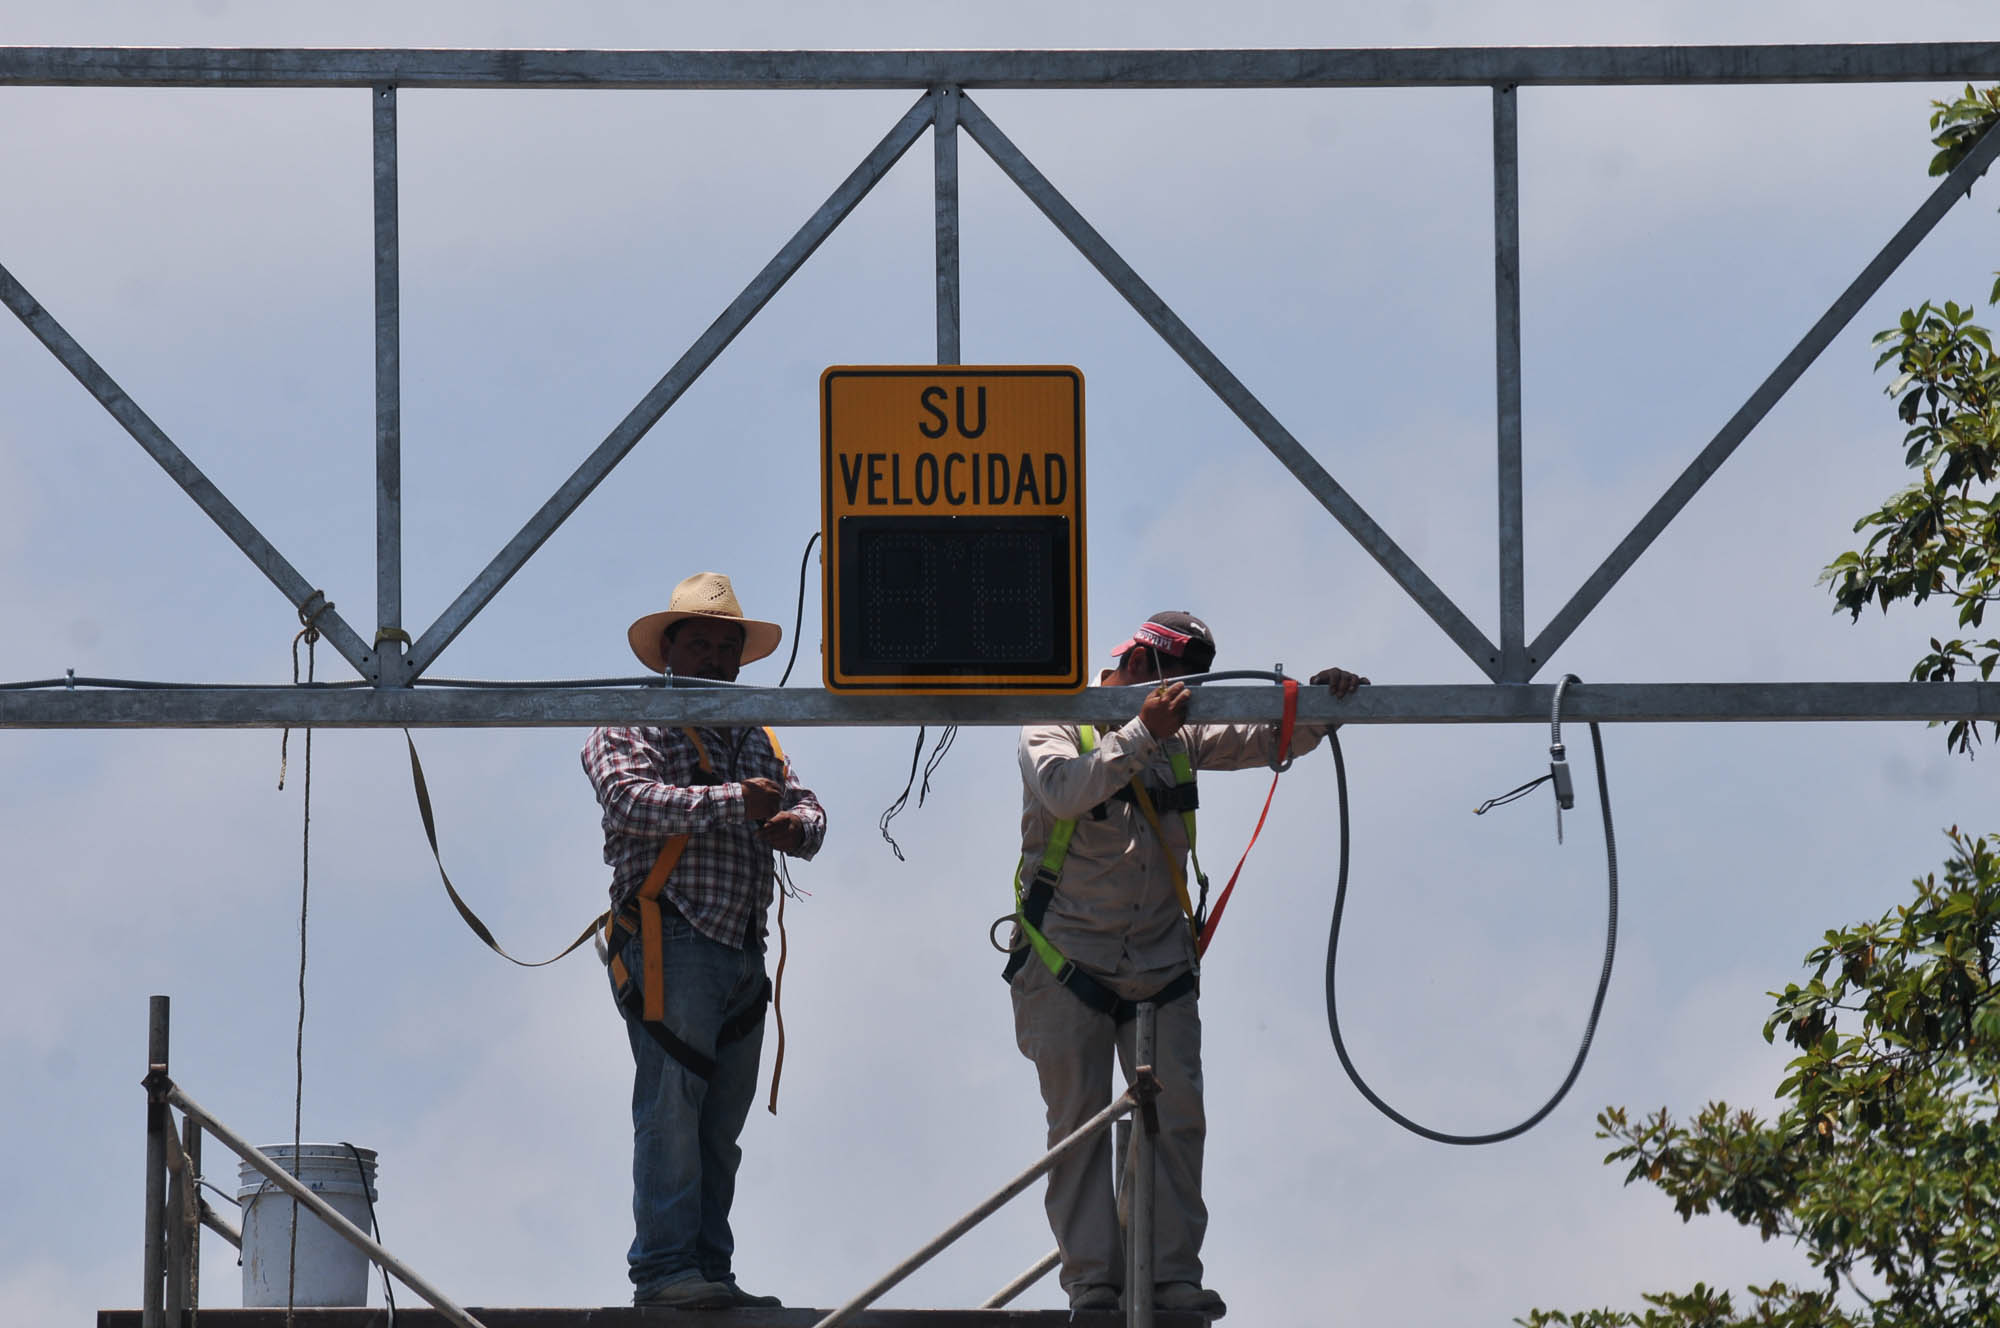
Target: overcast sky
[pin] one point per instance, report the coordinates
(561, 249)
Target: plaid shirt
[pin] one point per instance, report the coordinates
(651, 786)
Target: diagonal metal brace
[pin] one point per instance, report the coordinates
(1261, 422)
(180, 468)
(668, 390)
(1953, 187)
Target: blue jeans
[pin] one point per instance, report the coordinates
(684, 1128)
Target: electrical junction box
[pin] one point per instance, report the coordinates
(952, 527)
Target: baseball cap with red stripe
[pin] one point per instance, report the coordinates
(1176, 634)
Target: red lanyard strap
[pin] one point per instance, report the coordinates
(1285, 727)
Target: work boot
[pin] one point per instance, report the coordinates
(1188, 1296)
(1095, 1296)
(744, 1300)
(691, 1293)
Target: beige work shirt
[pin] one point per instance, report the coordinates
(1115, 913)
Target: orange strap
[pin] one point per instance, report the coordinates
(778, 984)
(1285, 727)
(778, 1006)
(652, 974)
(652, 967)
(653, 985)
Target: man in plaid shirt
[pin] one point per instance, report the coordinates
(695, 1069)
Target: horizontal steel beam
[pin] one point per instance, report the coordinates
(530, 707)
(198, 67)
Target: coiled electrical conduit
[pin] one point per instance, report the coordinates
(1559, 772)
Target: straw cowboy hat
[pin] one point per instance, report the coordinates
(703, 595)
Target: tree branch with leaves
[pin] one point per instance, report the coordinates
(1883, 1165)
(1883, 1162)
(1940, 536)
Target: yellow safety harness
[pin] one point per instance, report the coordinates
(1031, 902)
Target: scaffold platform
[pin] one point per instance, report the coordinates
(627, 1316)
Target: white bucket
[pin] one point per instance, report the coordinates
(329, 1271)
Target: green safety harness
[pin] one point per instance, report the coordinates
(1032, 903)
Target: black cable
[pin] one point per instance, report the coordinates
(799, 620)
(207, 1184)
(944, 742)
(375, 1223)
(1511, 795)
(902, 799)
(310, 634)
(945, 739)
(470, 684)
(147, 685)
(580, 684)
(1603, 978)
(141, 685)
(648, 680)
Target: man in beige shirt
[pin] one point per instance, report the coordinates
(1111, 916)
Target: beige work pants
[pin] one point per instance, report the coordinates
(1072, 1047)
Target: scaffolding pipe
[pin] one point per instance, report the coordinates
(220, 1225)
(191, 1150)
(183, 1221)
(177, 1236)
(152, 1311)
(1084, 1133)
(1139, 1227)
(321, 1209)
(1034, 1273)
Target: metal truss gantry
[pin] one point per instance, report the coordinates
(393, 689)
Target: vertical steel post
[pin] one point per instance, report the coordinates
(192, 1148)
(1121, 1184)
(944, 148)
(158, 1122)
(179, 1238)
(389, 637)
(1139, 1230)
(1514, 663)
(1121, 1167)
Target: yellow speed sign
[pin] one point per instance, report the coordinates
(952, 516)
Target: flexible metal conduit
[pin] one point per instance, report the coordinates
(1559, 771)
